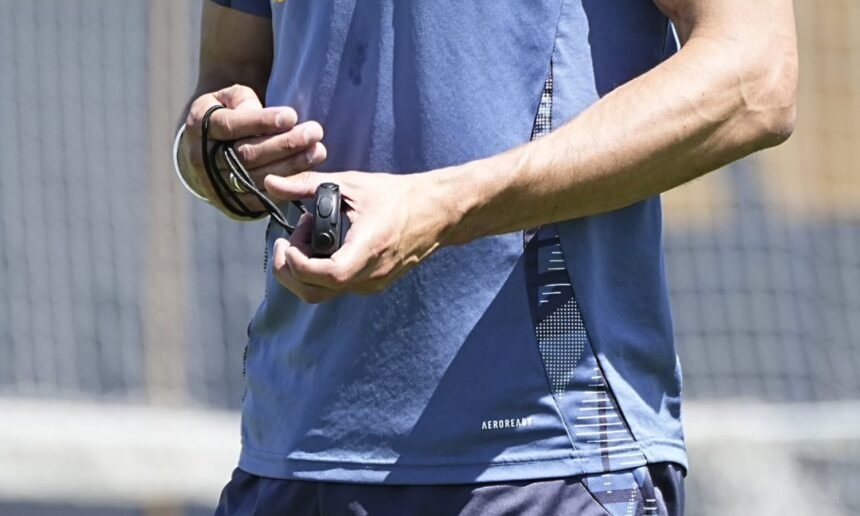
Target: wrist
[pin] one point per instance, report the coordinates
(457, 196)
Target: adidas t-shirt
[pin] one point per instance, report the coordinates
(529, 355)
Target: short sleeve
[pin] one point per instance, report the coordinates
(256, 7)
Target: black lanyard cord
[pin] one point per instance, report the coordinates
(227, 195)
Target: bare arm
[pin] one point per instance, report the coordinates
(235, 47)
(728, 92)
(236, 52)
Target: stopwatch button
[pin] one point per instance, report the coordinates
(325, 240)
(325, 206)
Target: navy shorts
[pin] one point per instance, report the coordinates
(652, 490)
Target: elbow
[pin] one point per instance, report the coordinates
(773, 114)
(780, 121)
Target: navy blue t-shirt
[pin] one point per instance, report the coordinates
(507, 358)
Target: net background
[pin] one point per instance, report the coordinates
(117, 287)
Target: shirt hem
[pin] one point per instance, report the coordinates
(279, 467)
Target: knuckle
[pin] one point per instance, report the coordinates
(236, 94)
(339, 277)
(195, 114)
(288, 143)
(225, 125)
(244, 92)
(292, 269)
(232, 90)
(192, 120)
(247, 154)
(279, 266)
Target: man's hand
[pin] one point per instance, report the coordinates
(396, 223)
(268, 141)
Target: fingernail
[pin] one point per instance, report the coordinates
(284, 120)
(308, 133)
(311, 155)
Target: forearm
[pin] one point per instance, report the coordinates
(235, 47)
(707, 106)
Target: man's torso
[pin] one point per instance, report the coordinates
(493, 361)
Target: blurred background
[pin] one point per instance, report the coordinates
(123, 302)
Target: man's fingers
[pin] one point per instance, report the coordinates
(306, 160)
(337, 272)
(308, 293)
(263, 150)
(306, 274)
(235, 124)
(244, 116)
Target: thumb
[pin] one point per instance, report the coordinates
(295, 187)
